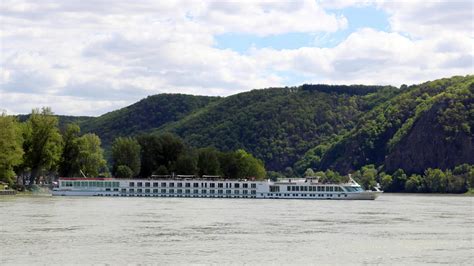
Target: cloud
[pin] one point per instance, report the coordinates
(89, 57)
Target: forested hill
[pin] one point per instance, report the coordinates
(315, 126)
(145, 115)
(279, 125)
(430, 125)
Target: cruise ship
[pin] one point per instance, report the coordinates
(212, 187)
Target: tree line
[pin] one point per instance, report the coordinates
(457, 180)
(37, 148)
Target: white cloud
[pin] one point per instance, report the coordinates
(88, 57)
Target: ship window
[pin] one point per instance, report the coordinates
(236, 192)
(212, 185)
(147, 184)
(180, 184)
(131, 184)
(245, 192)
(331, 188)
(288, 188)
(228, 191)
(236, 185)
(220, 191)
(179, 191)
(163, 184)
(171, 184)
(245, 185)
(212, 191)
(163, 191)
(139, 184)
(187, 191)
(220, 185)
(171, 190)
(155, 184)
(253, 185)
(147, 190)
(139, 190)
(155, 190)
(203, 191)
(296, 188)
(131, 190)
(196, 185)
(196, 191)
(254, 192)
(274, 188)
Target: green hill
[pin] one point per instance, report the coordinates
(145, 115)
(426, 125)
(279, 125)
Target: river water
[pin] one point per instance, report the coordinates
(394, 229)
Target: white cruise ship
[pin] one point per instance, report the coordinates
(180, 186)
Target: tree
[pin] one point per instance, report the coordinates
(456, 183)
(249, 166)
(43, 143)
(187, 163)
(68, 165)
(385, 181)
(11, 150)
(126, 152)
(91, 156)
(367, 178)
(309, 173)
(399, 179)
(435, 181)
(413, 184)
(123, 171)
(157, 150)
(208, 162)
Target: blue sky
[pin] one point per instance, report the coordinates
(357, 17)
(88, 57)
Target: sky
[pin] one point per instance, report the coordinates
(89, 57)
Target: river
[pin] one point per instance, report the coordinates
(394, 229)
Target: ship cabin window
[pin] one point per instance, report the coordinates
(254, 192)
(83, 184)
(236, 185)
(155, 184)
(220, 185)
(245, 192)
(228, 191)
(302, 188)
(212, 185)
(131, 190)
(320, 188)
(187, 191)
(124, 190)
(330, 188)
(139, 190)
(163, 184)
(220, 191)
(139, 184)
(187, 185)
(196, 185)
(171, 184)
(147, 190)
(171, 190)
(253, 185)
(107, 189)
(296, 188)
(203, 191)
(339, 189)
(180, 184)
(196, 191)
(274, 188)
(147, 184)
(131, 184)
(212, 191)
(163, 191)
(245, 185)
(288, 188)
(236, 192)
(179, 191)
(108, 184)
(155, 190)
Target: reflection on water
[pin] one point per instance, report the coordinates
(394, 229)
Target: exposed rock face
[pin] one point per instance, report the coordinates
(427, 145)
